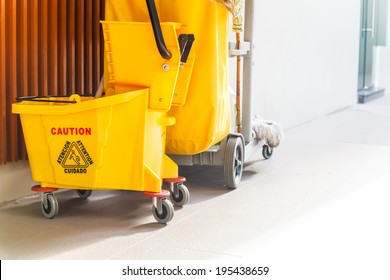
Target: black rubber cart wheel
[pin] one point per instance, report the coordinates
(166, 214)
(50, 210)
(180, 195)
(267, 152)
(84, 193)
(234, 162)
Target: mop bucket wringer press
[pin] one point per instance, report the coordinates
(116, 142)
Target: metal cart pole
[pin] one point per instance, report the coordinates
(247, 72)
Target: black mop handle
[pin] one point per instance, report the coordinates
(158, 36)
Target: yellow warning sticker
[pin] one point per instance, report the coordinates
(74, 158)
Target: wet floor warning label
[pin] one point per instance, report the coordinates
(74, 158)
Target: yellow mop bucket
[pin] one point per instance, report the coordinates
(85, 143)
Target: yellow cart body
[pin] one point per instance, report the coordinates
(201, 102)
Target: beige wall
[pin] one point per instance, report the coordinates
(306, 58)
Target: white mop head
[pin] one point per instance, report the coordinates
(269, 131)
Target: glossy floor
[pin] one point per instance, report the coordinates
(321, 201)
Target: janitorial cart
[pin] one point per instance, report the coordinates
(164, 100)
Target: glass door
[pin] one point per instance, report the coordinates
(372, 33)
(367, 40)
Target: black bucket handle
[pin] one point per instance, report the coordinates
(43, 99)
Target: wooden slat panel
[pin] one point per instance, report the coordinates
(97, 41)
(3, 89)
(33, 47)
(43, 46)
(23, 31)
(47, 47)
(88, 47)
(53, 46)
(71, 45)
(79, 45)
(13, 81)
(62, 47)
